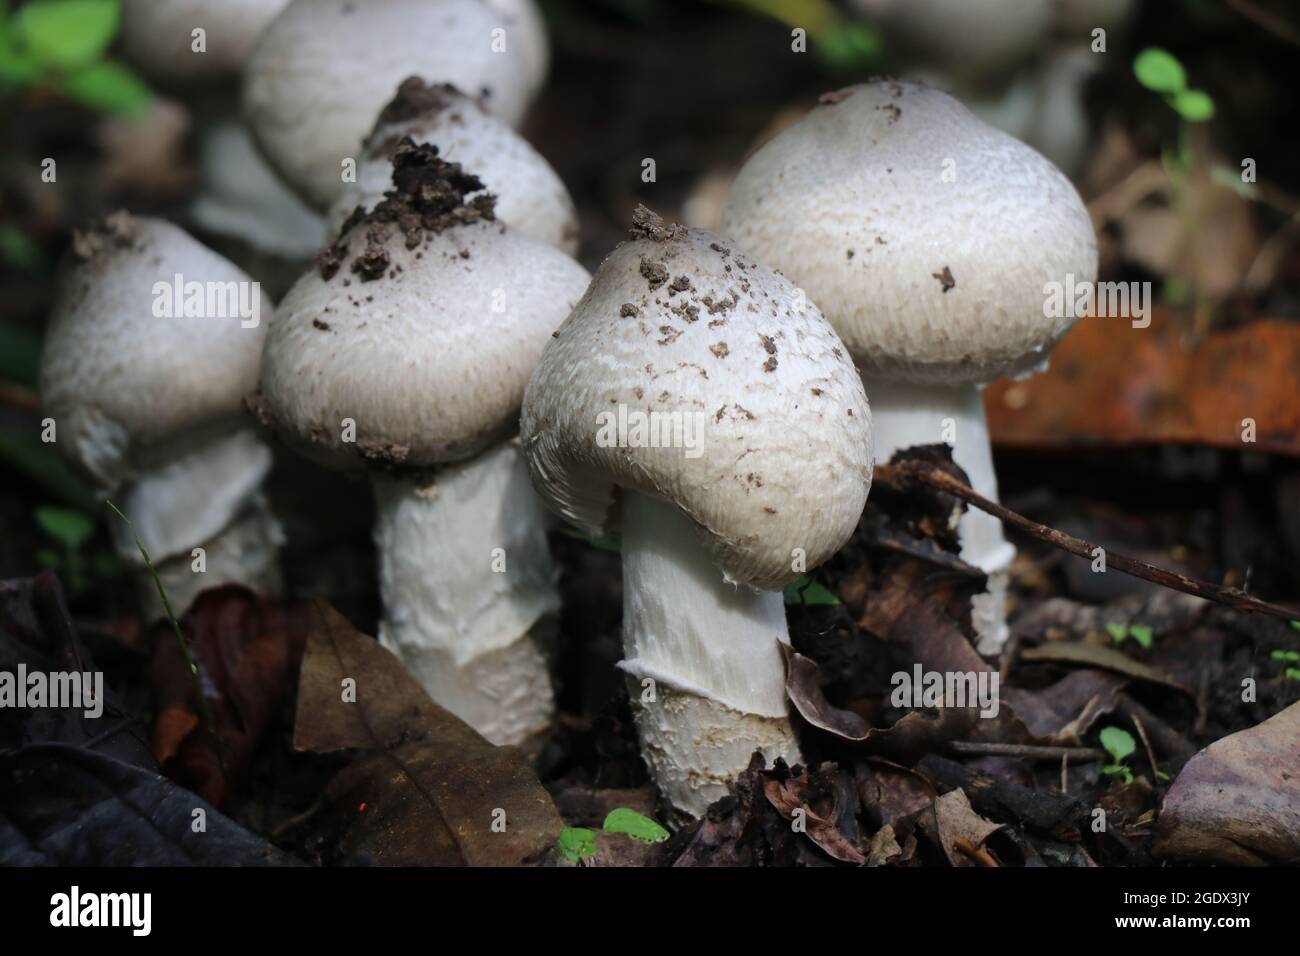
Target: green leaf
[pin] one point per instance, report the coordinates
(848, 45)
(66, 34)
(575, 843)
(70, 528)
(47, 558)
(17, 65)
(1159, 71)
(805, 590)
(1193, 105)
(635, 825)
(1117, 632)
(1285, 655)
(109, 87)
(1162, 776)
(1292, 673)
(1143, 635)
(1118, 743)
(1296, 625)
(17, 250)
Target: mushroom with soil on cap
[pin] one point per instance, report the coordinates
(931, 241)
(325, 68)
(152, 345)
(530, 196)
(694, 400)
(404, 356)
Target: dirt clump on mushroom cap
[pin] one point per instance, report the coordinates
(429, 196)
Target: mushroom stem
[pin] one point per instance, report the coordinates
(705, 673)
(903, 415)
(210, 498)
(465, 574)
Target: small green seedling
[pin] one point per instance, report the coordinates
(1119, 633)
(1288, 657)
(59, 45)
(1119, 744)
(633, 824)
(1296, 625)
(575, 843)
(70, 530)
(579, 843)
(808, 592)
(1159, 71)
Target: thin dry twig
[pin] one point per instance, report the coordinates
(901, 474)
(1028, 751)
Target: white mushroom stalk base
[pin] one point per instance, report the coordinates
(209, 501)
(705, 673)
(465, 575)
(903, 415)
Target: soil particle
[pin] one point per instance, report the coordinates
(117, 230)
(429, 196)
(627, 310)
(416, 98)
(681, 284)
(669, 334)
(383, 454)
(946, 281)
(655, 273)
(649, 225)
(323, 326)
(720, 349)
(893, 109)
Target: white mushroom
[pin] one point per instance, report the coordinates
(403, 355)
(146, 389)
(186, 42)
(324, 68)
(931, 241)
(694, 399)
(975, 42)
(199, 47)
(530, 196)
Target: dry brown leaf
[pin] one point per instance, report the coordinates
(1237, 802)
(429, 790)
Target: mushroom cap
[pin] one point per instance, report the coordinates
(421, 326)
(926, 236)
(128, 388)
(680, 323)
(530, 196)
(525, 26)
(323, 69)
(157, 36)
(970, 40)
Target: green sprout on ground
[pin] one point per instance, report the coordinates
(579, 843)
(59, 45)
(176, 627)
(70, 530)
(808, 592)
(1120, 633)
(1288, 657)
(1119, 744)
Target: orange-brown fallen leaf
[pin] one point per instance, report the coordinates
(1110, 383)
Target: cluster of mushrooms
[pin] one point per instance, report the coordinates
(445, 345)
